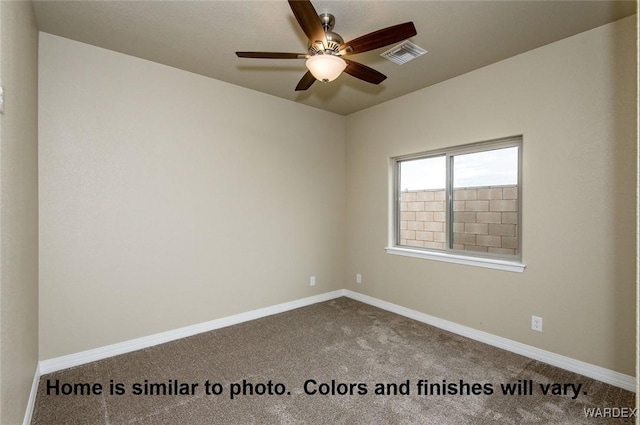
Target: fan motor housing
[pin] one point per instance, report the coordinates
(334, 40)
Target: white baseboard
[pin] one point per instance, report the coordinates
(31, 403)
(64, 362)
(596, 372)
(592, 371)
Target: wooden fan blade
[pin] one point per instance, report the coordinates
(271, 55)
(309, 21)
(379, 38)
(306, 81)
(363, 72)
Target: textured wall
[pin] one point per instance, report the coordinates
(18, 209)
(170, 199)
(574, 103)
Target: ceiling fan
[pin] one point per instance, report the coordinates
(326, 49)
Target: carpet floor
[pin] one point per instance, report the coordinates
(336, 362)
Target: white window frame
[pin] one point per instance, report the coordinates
(511, 263)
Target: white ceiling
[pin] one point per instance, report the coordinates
(202, 36)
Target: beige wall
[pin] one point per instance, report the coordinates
(169, 199)
(574, 102)
(18, 209)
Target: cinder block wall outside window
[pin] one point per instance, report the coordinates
(484, 219)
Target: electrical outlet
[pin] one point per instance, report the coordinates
(536, 323)
(312, 281)
(358, 278)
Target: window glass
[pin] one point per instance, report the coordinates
(465, 199)
(485, 201)
(422, 202)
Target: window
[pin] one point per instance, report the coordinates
(460, 205)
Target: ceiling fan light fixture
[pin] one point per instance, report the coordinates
(326, 48)
(326, 68)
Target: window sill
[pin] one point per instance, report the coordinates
(490, 263)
